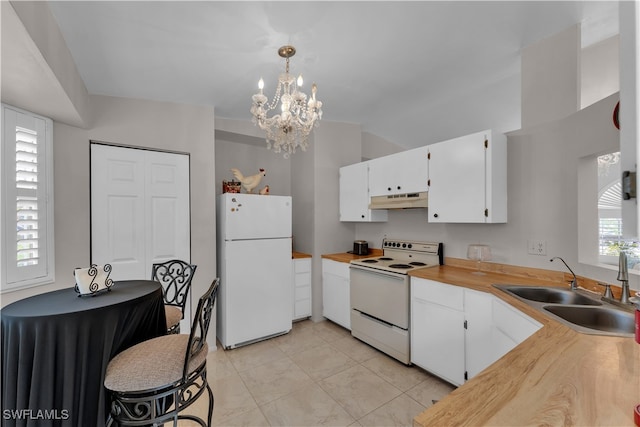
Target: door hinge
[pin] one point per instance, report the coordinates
(486, 143)
(465, 324)
(486, 213)
(466, 376)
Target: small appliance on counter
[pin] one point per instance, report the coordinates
(360, 247)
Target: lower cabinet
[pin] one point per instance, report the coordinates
(336, 301)
(457, 332)
(301, 288)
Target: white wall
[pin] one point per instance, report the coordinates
(550, 78)
(249, 159)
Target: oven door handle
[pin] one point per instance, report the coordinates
(397, 276)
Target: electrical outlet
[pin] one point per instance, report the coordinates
(537, 247)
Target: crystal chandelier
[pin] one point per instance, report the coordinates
(291, 128)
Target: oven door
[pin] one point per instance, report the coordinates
(380, 294)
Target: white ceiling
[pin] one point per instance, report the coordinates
(409, 72)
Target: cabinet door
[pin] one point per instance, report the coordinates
(479, 346)
(512, 323)
(437, 329)
(354, 195)
(335, 292)
(399, 173)
(457, 179)
(437, 340)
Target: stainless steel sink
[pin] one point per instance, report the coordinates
(575, 309)
(548, 295)
(609, 320)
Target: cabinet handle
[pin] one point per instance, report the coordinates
(399, 187)
(388, 188)
(435, 215)
(362, 216)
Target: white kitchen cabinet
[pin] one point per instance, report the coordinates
(354, 195)
(301, 288)
(336, 300)
(399, 173)
(437, 329)
(468, 179)
(457, 332)
(510, 327)
(479, 347)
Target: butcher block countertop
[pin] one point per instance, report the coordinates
(347, 257)
(557, 377)
(298, 255)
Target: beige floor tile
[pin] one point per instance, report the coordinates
(273, 380)
(397, 413)
(310, 406)
(402, 376)
(219, 365)
(299, 339)
(330, 331)
(231, 398)
(253, 355)
(355, 349)
(359, 390)
(322, 361)
(430, 389)
(253, 418)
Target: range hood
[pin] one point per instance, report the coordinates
(399, 201)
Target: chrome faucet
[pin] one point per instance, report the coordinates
(574, 282)
(623, 276)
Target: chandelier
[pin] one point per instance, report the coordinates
(291, 128)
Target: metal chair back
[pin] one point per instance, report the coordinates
(175, 276)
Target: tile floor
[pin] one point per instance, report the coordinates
(318, 374)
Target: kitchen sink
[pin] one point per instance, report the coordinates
(609, 320)
(548, 295)
(575, 309)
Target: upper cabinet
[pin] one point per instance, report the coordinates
(354, 195)
(399, 173)
(468, 179)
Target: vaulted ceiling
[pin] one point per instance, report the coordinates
(400, 69)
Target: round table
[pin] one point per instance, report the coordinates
(56, 347)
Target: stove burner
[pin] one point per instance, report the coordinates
(399, 266)
(417, 263)
(385, 258)
(371, 261)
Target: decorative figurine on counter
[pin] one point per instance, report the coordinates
(264, 191)
(249, 183)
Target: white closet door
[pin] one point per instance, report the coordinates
(139, 211)
(167, 201)
(118, 211)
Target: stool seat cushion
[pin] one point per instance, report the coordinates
(173, 315)
(152, 364)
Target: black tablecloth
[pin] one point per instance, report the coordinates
(56, 347)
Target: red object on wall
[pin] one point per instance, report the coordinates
(636, 415)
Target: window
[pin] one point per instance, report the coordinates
(27, 196)
(610, 236)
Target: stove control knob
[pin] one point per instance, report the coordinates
(409, 246)
(404, 245)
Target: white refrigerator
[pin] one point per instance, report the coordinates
(254, 266)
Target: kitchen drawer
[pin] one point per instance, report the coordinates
(303, 292)
(302, 265)
(340, 269)
(438, 293)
